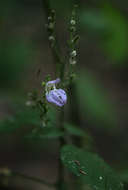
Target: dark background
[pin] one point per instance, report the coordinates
(25, 60)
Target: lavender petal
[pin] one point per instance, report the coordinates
(53, 82)
(57, 96)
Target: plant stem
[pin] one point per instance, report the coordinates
(59, 61)
(55, 50)
(62, 142)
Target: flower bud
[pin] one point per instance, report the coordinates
(51, 38)
(72, 61)
(73, 22)
(49, 18)
(73, 53)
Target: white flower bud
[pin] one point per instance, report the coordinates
(72, 61)
(51, 38)
(49, 18)
(73, 53)
(73, 22)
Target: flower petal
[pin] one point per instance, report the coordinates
(53, 82)
(57, 96)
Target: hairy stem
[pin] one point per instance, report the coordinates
(59, 61)
(55, 50)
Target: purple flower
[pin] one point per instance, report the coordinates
(55, 96)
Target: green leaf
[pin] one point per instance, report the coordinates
(73, 130)
(90, 169)
(45, 133)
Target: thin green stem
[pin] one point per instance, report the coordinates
(61, 63)
(55, 49)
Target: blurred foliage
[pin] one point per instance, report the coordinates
(95, 103)
(124, 175)
(111, 28)
(45, 132)
(105, 24)
(14, 58)
(94, 22)
(25, 116)
(73, 130)
(90, 169)
(116, 44)
(8, 125)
